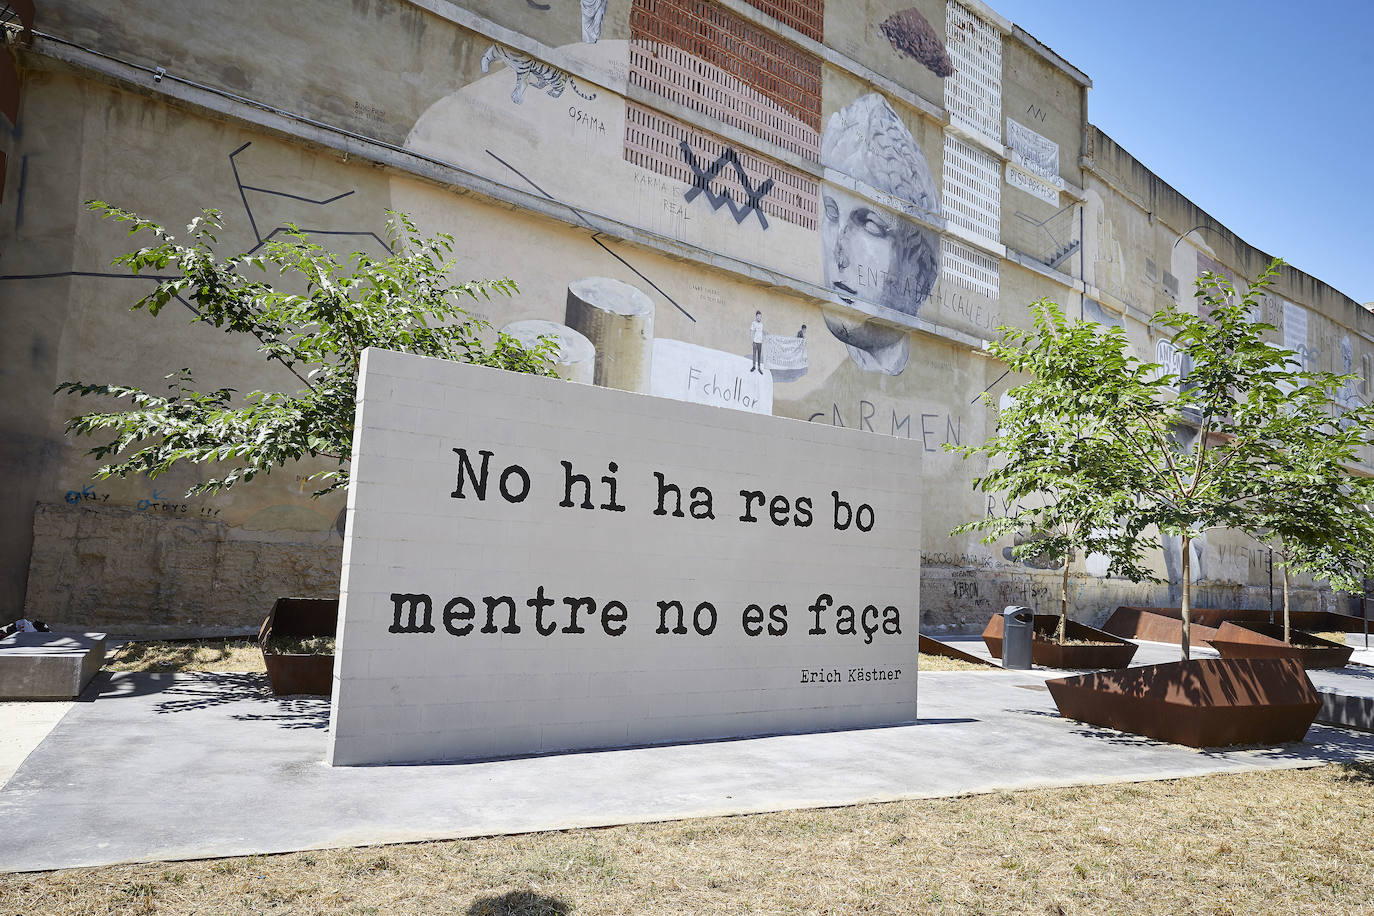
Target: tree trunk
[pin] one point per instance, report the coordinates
(1064, 604)
(1287, 628)
(1187, 592)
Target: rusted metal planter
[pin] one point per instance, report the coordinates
(1263, 640)
(1209, 702)
(302, 618)
(928, 645)
(1155, 625)
(1048, 653)
(1134, 622)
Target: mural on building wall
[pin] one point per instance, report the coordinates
(1295, 334)
(1034, 163)
(912, 36)
(1054, 239)
(733, 198)
(784, 356)
(1093, 311)
(593, 12)
(869, 253)
(702, 178)
(533, 72)
(1355, 392)
(726, 215)
(1033, 152)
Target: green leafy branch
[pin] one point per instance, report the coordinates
(403, 302)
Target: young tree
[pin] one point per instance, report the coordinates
(1268, 454)
(400, 302)
(1315, 515)
(1054, 457)
(1159, 455)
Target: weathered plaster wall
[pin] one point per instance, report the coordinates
(552, 158)
(1147, 245)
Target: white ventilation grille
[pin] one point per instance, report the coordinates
(969, 268)
(973, 95)
(972, 195)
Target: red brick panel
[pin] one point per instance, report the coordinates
(781, 73)
(806, 16)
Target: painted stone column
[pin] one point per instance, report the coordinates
(619, 321)
(575, 359)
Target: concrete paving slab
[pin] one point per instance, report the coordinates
(23, 726)
(165, 767)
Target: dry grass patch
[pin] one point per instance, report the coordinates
(945, 663)
(1297, 841)
(228, 655)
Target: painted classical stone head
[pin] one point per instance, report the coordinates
(869, 252)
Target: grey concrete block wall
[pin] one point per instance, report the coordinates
(780, 595)
(48, 666)
(1345, 708)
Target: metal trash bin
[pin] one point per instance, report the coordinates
(1018, 626)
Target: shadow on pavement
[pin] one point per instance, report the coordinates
(1361, 672)
(293, 712)
(1095, 732)
(207, 690)
(109, 685)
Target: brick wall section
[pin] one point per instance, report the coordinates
(779, 71)
(806, 16)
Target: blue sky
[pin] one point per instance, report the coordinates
(1262, 113)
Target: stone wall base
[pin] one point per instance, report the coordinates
(143, 575)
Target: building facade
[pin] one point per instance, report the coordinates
(818, 210)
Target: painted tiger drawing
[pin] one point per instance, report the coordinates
(531, 71)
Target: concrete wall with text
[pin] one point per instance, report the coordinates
(534, 565)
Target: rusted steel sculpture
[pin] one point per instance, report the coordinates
(1045, 651)
(1264, 640)
(301, 618)
(1210, 702)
